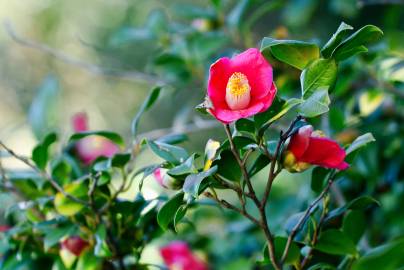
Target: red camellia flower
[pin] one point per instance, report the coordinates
(241, 86)
(308, 147)
(178, 256)
(91, 147)
(74, 244)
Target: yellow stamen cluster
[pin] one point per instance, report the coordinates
(238, 91)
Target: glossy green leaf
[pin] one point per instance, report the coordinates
(355, 43)
(168, 152)
(335, 242)
(184, 168)
(40, 152)
(292, 52)
(278, 109)
(316, 104)
(120, 160)
(362, 203)
(88, 261)
(354, 225)
(150, 100)
(167, 212)
(193, 181)
(318, 178)
(360, 142)
(244, 125)
(319, 74)
(336, 39)
(387, 257)
(114, 137)
(228, 166)
(67, 207)
(322, 266)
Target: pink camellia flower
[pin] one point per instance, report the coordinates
(241, 86)
(308, 147)
(91, 147)
(178, 256)
(74, 244)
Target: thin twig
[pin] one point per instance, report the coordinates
(228, 205)
(91, 68)
(316, 233)
(43, 174)
(307, 213)
(263, 222)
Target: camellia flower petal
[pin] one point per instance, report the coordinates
(91, 147)
(74, 244)
(308, 147)
(178, 256)
(240, 87)
(4, 228)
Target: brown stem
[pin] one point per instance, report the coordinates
(228, 205)
(44, 175)
(307, 213)
(263, 219)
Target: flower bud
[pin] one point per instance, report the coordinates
(74, 244)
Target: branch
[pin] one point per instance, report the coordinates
(89, 67)
(43, 174)
(302, 220)
(228, 205)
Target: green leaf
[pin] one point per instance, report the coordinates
(316, 104)
(387, 257)
(280, 244)
(295, 53)
(360, 142)
(244, 125)
(335, 242)
(67, 207)
(120, 160)
(40, 152)
(166, 214)
(362, 203)
(256, 162)
(150, 100)
(278, 109)
(228, 166)
(101, 248)
(88, 261)
(168, 152)
(193, 181)
(355, 43)
(41, 114)
(114, 137)
(185, 168)
(318, 177)
(173, 138)
(319, 74)
(354, 225)
(335, 40)
(53, 235)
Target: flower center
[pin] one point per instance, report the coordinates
(238, 91)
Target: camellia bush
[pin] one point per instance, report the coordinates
(71, 214)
